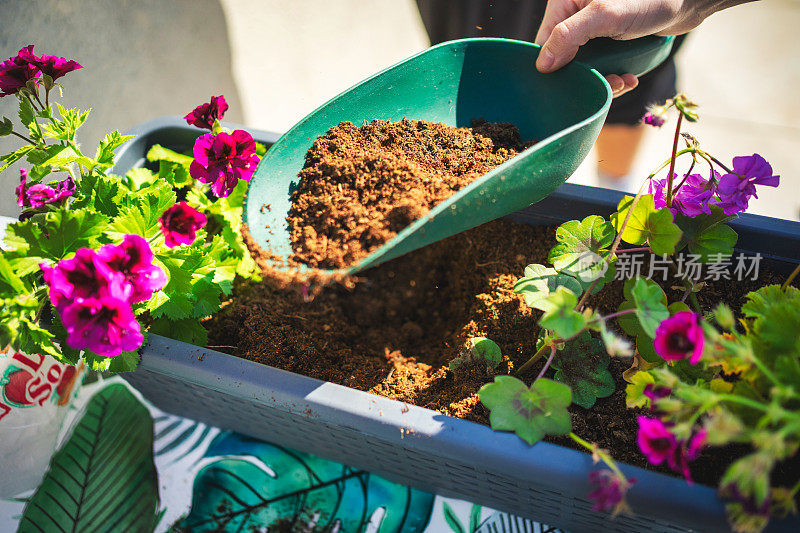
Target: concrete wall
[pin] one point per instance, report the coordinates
(142, 59)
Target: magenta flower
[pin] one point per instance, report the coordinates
(223, 159)
(609, 494)
(204, 115)
(736, 189)
(16, 71)
(54, 66)
(103, 325)
(655, 441)
(40, 194)
(180, 223)
(653, 119)
(86, 275)
(687, 452)
(680, 336)
(134, 260)
(691, 199)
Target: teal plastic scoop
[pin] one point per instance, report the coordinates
(454, 82)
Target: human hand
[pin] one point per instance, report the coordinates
(569, 24)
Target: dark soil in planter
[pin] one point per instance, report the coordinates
(394, 333)
(362, 185)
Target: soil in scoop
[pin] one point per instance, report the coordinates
(361, 185)
(394, 333)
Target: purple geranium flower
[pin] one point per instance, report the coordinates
(609, 492)
(103, 325)
(204, 115)
(655, 441)
(736, 189)
(653, 119)
(85, 275)
(15, 72)
(691, 199)
(680, 336)
(223, 159)
(687, 452)
(55, 66)
(40, 194)
(134, 260)
(180, 223)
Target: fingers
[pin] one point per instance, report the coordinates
(597, 19)
(622, 84)
(554, 12)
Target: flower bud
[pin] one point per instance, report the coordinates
(722, 427)
(724, 317)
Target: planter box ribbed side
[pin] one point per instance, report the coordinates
(417, 446)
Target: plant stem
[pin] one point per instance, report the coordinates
(613, 315)
(607, 459)
(23, 137)
(547, 364)
(790, 279)
(33, 105)
(688, 172)
(36, 95)
(631, 250)
(717, 161)
(672, 159)
(47, 98)
(535, 357)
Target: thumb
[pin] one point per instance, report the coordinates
(595, 20)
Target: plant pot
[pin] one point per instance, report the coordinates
(417, 446)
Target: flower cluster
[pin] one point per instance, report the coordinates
(93, 292)
(659, 444)
(223, 159)
(40, 194)
(204, 115)
(16, 72)
(180, 223)
(732, 191)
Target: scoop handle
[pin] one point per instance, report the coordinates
(636, 56)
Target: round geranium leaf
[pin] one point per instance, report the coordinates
(539, 282)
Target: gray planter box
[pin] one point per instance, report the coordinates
(417, 446)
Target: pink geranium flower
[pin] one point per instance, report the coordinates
(680, 336)
(655, 441)
(736, 189)
(180, 223)
(687, 452)
(40, 194)
(692, 198)
(55, 66)
(15, 72)
(610, 490)
(134, 260)
(84, 276)
(223, 159)
(103, 325)
(204, 115)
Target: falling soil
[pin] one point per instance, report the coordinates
(395, 331)
(362, 185)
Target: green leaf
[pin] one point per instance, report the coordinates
(9, 159)
(250, 485)
(142, 217)
(451, 518)
(59, 234)
(104, 473)
(474, 518)
(539, 282)
(561, 315)
(582, 248)
(187, 330)
(9, 277)
(714, 244)
(634, 391)
(692, 227)
(26, 113)
(583, 365)
(650, 302)
(647, 225)
(125, 362)
(159, 153)
(479, 349)
(192, 290)
(6, 127)
(100, 192)
(105, 150)
(531, 412)
(138, 178)
(775, 315)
